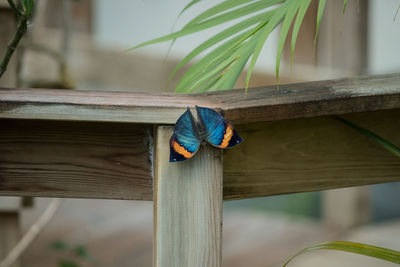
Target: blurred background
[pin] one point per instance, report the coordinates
(79, 45)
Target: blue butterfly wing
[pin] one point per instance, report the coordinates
(219, 132)
(184, 142)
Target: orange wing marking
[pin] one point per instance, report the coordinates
(181, 150)
(227, 136)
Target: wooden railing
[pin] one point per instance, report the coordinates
(81, 144)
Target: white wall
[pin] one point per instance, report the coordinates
(124, 23)
(384, 37)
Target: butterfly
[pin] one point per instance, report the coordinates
(210, 127)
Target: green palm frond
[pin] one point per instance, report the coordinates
(358, 248)
(227, 52)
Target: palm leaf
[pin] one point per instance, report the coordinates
(219, 54)
(227, 33)
(320, 12)
(188, 6)
(237, 44)
(296, 26)
(284, 32)
(376, 138)
(212, 22)
(267, 29)
(344, 6)
(222, 7)
(358, 248)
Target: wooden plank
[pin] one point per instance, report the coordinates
(309, 155)
(311, 99)
(75, 159)
(187, 207)
(96, 106)
(112, 160)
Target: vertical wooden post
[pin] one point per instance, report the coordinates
(342, 40)
(187, 206)
(342, 46)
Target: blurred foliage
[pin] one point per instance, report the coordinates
(77, 252)
(23, 14)
(299, 205)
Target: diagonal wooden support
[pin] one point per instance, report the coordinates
(187, 206)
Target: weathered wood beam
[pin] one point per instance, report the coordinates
(75, 159)
(112, 160)
(311, 154)
(311, 99)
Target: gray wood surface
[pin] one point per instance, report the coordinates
(304, 155)
(75, 159)
(112, 160)
(311, 99)
(187, 207)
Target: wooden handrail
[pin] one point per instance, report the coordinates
(300, 100)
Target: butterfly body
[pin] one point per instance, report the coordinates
(190, 133)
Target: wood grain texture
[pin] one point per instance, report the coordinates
(187, 207)
(106, 160)
(311, 154)
(311, 99)
(75, 159)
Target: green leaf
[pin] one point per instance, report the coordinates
(28, 7)
(224, 6)
(188, 6)
(248, 9)
(357, 248)
(214, 57)
(397, 12)
(229, 78)
(67, 263)
(60, 245)
(344, 6)
(81, 252)
(383, 142)
(210, 84)
(293, 7)
(320, 12)
(265, 31)
(205, 76)
(229, 32)
(296, 26)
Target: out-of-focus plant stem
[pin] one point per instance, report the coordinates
(21, 30)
